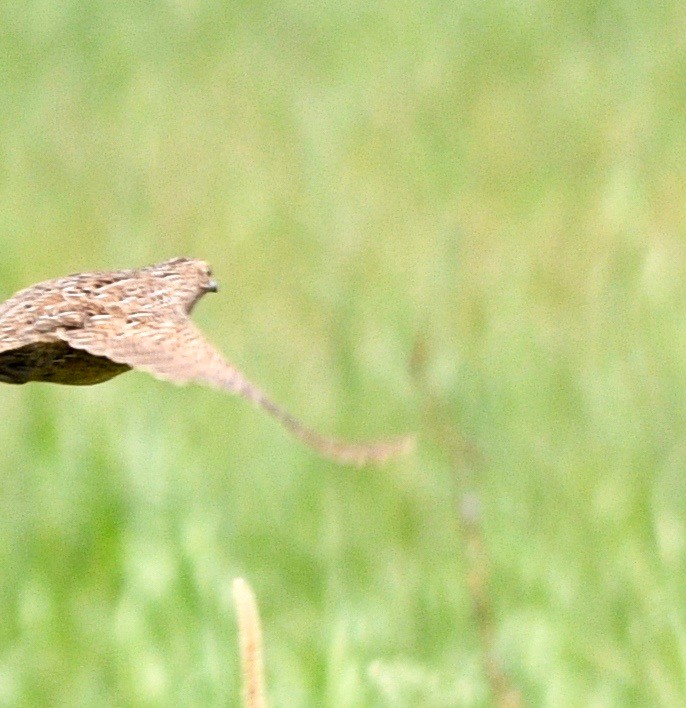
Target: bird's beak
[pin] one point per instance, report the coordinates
(212, 286)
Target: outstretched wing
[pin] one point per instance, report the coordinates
(10, 339)
(172, 348)
(20, 326)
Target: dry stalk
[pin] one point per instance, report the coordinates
(464, 458)
(250, 643)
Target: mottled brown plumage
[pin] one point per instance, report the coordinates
(87, 328)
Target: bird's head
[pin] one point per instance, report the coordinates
(185, 280)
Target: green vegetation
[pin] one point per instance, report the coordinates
(504, 184)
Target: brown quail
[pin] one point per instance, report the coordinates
(89, 327)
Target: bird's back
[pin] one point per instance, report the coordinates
(30, 348)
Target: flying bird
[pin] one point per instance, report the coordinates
(86, 328)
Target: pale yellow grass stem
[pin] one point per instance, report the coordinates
(250, 644)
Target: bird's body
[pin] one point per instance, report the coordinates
(86, 328)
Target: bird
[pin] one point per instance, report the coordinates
(87, 328)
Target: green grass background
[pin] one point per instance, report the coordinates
(505, 182)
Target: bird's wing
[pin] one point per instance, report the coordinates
(12, 340)
(172, 348)
(19, 329)
(9, 335)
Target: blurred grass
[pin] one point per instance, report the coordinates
(505, 182)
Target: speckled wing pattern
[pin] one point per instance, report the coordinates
(13, 312)
(33, 315)
(169, 346)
